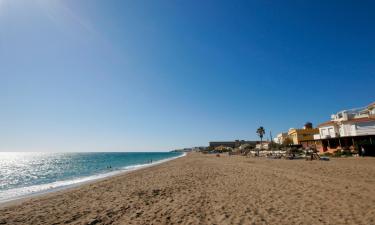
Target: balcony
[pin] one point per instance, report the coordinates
(327, 136)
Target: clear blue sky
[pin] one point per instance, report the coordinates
(117, 75)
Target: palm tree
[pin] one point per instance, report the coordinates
(261, 131)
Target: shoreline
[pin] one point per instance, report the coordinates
(205, 189)
(77, 182)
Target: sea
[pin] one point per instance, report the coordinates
(26, 174)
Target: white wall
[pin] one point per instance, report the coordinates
(365, 128)
(327, 131)
(357, 129)
(346, 130)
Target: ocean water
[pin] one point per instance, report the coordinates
(24, 174)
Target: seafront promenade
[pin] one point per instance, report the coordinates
(205, 189)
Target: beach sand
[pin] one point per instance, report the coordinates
(204, 189)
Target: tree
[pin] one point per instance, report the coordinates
(261, 131)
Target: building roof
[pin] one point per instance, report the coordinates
(328, 123)
(355, 120)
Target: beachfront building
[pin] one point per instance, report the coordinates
(304, 136)
(281, 138)
(245, 146)
(265, 145)
(352, 129)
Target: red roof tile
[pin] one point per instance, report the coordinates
(326, 124)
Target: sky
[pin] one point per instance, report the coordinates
(120, 75)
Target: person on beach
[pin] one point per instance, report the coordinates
(363, 151)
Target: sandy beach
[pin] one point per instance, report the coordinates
(204, 189)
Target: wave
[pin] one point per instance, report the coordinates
(23, 192)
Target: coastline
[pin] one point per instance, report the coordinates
(205, 189)
(77, 182)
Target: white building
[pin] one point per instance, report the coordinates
(280, 138)
(265, 145)
(347, 123)
(348, 126)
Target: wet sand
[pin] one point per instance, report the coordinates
(204, 189)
